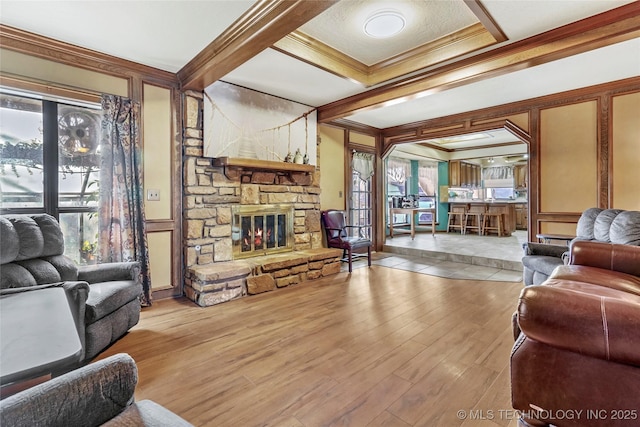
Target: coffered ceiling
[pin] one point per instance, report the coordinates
(453, 56)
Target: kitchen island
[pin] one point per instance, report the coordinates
(505, 207)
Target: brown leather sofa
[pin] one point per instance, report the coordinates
(576, 361)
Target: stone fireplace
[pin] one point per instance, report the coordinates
(246, 230)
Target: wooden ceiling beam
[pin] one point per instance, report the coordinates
(605, 29)
(266, 22)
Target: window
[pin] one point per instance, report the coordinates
(49, 162)
(427, 184)
(361, 193)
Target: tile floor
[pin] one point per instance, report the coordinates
(455, 256)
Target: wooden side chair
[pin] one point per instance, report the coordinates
(336, 227)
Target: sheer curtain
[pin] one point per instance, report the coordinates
(363, 164)
(428, 177)
(121, 213)
(398, 171)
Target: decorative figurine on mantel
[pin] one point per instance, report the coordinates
(288, 158)
(298, 157)
(305, 159)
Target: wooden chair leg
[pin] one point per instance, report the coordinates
(350, 259)
(369, 255)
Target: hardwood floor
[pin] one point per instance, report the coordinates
(379, 347)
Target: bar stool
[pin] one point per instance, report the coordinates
(456, 217)
(476, 214)
(493, 220)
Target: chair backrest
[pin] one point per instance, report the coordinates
(334, 224)
(32, 252)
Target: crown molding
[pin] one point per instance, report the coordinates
(54, 50)
(312, 51)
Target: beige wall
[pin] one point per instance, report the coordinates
(41, 69)
(626, 152)
(160, 256)
(568, 158)
(157, 150)
(332, 161)
(361, 139)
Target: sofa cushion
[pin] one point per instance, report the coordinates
(10, 246)
(584, 229)
(542, 263)
(602, 225)
(592, 289)
(53, 240)
(598, 276)
(106, 297)
(625, 228)
(15, 276)
(65, 266)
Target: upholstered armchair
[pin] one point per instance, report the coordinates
(101, 393)
(338, 236)
(104, 298)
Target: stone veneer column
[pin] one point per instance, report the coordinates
(208, 196)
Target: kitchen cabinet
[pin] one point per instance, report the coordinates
(464, 174)
(520, 176)
(522, 217)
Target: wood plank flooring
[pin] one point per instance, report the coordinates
(379, 347)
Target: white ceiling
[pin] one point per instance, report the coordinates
(421, 27)
(167, 34)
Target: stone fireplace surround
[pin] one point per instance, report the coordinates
(209, 192)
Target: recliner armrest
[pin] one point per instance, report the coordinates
(595, 325)
(532, 248)
(88, 396)
(109, 271)
(77, 294)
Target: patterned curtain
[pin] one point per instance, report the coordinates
(122, 220)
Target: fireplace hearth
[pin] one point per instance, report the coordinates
(261, 230)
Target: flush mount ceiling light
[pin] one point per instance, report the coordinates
(383, 24)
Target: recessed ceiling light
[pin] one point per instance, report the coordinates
(383, 24)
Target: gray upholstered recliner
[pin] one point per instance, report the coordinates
(100, 393)
(104, 298)
(600, 225)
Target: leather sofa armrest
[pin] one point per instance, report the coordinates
(609, 256)
(90, 396)
(109, 271)
(532, 248)
(594, 325)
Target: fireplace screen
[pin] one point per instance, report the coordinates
(261, 229)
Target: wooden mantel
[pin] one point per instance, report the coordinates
(262, 165)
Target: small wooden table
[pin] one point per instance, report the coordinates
(547, 238)
(412, 212)
(39, 335)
